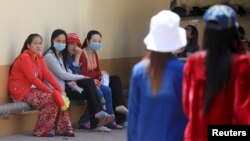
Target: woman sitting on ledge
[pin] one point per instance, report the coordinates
(26, 83)
(90, 67)
(64, 76)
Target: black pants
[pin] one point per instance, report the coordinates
(117, 97)
(89, 93)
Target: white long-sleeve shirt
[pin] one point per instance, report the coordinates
(57, 68)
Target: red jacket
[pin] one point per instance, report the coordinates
(95, 74)
(231, 108)
(23, 76)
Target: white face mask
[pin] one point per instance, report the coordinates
(59, 46)
(95, 46)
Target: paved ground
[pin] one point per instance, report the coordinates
(81, 135)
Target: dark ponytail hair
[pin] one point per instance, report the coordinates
(27, 42)
(220, 45)
(89, 36)
(55, 34)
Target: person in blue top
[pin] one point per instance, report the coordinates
(155, 93)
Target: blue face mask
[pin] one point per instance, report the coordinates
(59, 46)
(95, 46)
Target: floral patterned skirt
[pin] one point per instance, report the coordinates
(50, 114)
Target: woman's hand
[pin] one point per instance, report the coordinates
(86, 77)
(100, 79)
(97, 82)
(73, 83)
(63, 93)
(78, 51)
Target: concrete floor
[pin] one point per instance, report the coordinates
(81, 135)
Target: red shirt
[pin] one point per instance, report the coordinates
(27, 70)
(231, 108)
(95, 73)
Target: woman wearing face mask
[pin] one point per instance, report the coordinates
(57, 65)
(26, 84)
(71, 55)
(90, 67)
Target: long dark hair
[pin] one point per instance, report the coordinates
(89, 36)
(220, 44)
(156, 67)
(194, 33)
(27, 42)
(55, 34)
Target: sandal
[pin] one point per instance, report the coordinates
(66, 133)
(124, 124)
(114, 126)
(48, 134)
(101, 129)
(106, 119)
(84, 125)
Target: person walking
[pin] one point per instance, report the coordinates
(155, 94)
(216, 80)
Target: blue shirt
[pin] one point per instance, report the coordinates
(160, 117)
(72, 65)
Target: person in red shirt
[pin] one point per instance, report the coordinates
(90, 67)
(216, 81)
(26, 83)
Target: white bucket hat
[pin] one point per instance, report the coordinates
(165, 34)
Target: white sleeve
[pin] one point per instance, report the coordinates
(57, 69)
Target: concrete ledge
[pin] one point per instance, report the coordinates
(22, 107)
(14, 108)
(25, 121)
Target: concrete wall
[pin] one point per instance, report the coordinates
(123, 24)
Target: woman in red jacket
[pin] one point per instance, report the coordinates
(26, 83)
(216, 81)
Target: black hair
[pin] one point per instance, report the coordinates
(89, 36)
(220, 45)
(241, 32)
(194, 33)
(55, 34)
